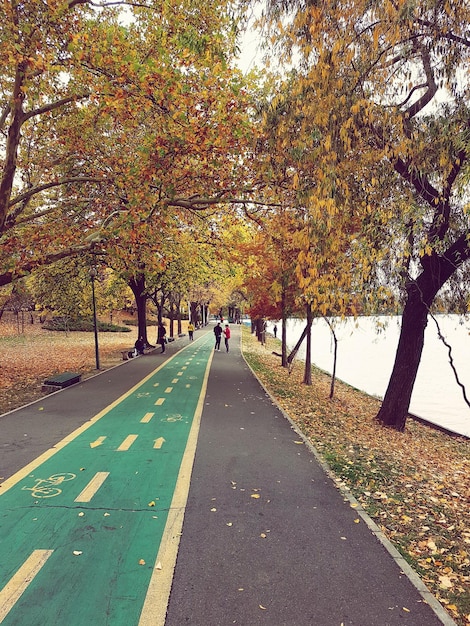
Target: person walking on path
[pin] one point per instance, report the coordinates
(226, 335)
(161, 336)
(218, 335)
(191, 331)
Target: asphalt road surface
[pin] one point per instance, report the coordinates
(171, 491)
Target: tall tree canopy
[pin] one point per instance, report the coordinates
(384, 86)
(101, 118)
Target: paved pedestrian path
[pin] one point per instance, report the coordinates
(267, 538)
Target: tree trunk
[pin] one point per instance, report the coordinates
(421, 294)
(283, 329)
(172, 315)
(335, 355)
(295, 349)
(308, 351)
(178, 315)
(397, 398)
(137, 284)
(258, 322)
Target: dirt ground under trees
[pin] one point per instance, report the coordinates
(29, 355)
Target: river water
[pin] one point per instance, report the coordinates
(366, 353)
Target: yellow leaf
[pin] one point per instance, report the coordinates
(152, 503)
(431, 545)
(445, 582)
(262, 607)
(141, 562)
(255, 495)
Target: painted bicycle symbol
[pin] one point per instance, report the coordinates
(48, 487)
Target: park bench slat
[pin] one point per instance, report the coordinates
(63, 380)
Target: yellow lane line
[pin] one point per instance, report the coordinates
(30, 467)
(147, 417)
(95, 483)
(126, 444)
(17, 585)
(97, 442)
(160, 401)
(168, 389)
(158, 593)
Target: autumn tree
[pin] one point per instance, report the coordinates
(73, 79)
(385, 85)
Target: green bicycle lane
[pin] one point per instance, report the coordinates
(89, 534)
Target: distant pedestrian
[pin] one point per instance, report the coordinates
(191, 331)
(218, 335)
(161, 339)
(275, 331)
(226, 335)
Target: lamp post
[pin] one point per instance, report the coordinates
(93, 274)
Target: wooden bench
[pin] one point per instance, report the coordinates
(60, 381)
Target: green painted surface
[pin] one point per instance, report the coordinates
(117, 530)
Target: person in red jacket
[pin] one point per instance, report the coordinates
(226, 335)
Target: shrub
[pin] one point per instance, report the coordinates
(82, 324)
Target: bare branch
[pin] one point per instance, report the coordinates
(23, 270)
(431, 88)
(55, 105)
(57, 183)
